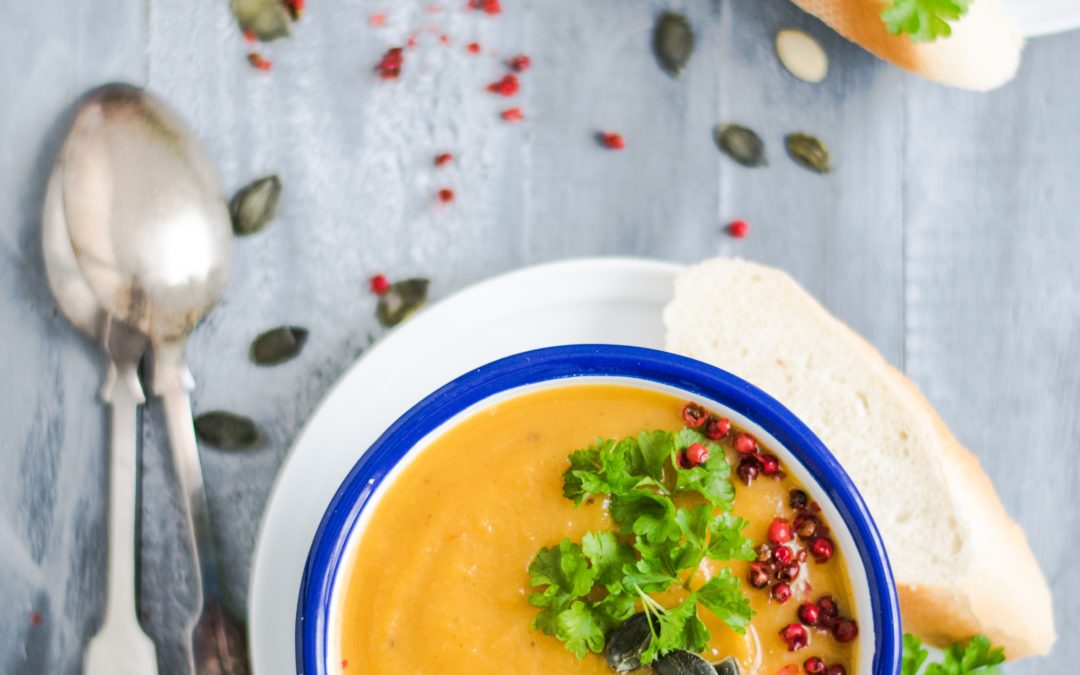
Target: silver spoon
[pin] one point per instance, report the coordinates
(151, 233)
(120, 647)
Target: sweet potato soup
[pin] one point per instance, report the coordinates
(590, 527)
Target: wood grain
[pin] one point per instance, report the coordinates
(946, 235)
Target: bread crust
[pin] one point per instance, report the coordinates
(982, 53)
(1005, 595)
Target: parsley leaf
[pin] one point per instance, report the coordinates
(657, 448)
(584, 465)
(721, 596)
(726, 541)
(923, 20)
(566, 573)
(608, 556)
(710, 480)
(694, 525)
(646, 515)
(978, 656)
(580, 629)
(679, 628)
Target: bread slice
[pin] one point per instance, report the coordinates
(961, 564)
(982, 53)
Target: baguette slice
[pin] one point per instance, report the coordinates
(962, 565)
(982, 53)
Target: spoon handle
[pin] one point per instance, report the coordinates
(216, 643)
(120, 647)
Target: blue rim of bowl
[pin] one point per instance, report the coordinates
(555, 363)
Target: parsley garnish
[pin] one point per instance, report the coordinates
(976, 657)
(590, 588)
(923, 20)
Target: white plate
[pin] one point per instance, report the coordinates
(1043, 17)
(605, 300)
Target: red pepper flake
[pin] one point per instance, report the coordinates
(377, 20)
(446, 195)
(513, 115)
(443, 158)
(389, 67)
(296, 8)
(520, 63)
(250, 37)
(611, 140)
(508, 86)
(259, 61)
(444, 39)
(379, 284)
(473, 47)
(738, 228)
(35, 619)
(488, 6)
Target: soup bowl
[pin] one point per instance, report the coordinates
(873, 593)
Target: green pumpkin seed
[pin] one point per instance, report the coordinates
(742, 144)
(682, 662)
(808, 152)
(403, 298)
(278, 345)
(255, 205)
(627, 642)
(227, 431)
(265, 19)
(728, 666)
(673, 42)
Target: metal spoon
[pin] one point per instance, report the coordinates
(151, 233)
(120, 647)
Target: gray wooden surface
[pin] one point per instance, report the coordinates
(947, 235)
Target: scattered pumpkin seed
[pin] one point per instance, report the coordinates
(802, 55)
(682, 662)
(255, 205)
(728, 666)
(808, 152)
(673, 42)
(278, 345)
(742, 144)
(227, 431)
(627, 642)
(403, 298)
(265, 19)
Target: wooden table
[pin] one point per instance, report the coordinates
(947, 235)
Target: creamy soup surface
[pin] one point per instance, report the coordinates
(438, 581)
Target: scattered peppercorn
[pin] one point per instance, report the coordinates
(795, 636)
(829, 610)
(822, 549)
(836, 669)
(809, 613)
(814, 666)
(797, 499)
(389, 67)
(748, 469)
(259, 61)
(783, 554)
(379, 284)
(520, 63)
(697, 454)
(694, 415)
(738, 228)
(788, 572)
(443, 158)
(744, 443)
(779, 531)
(611, 140)
(770, 465)
(781, 592)
(845, 630)
(446, 195)
(488, 6)
(513, 115)
(717, 428)
(757, 577)
(507, 86)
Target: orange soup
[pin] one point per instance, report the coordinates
(439, 579)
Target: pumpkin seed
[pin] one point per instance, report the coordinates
(403, 298)
(278, 345)
(728, 666)
(255, 205)
(227, 431)
(265, 19)
(742, 144)
(682, 662)
(627, 642)
(673, 42)
(808, 152)
(802, 55)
